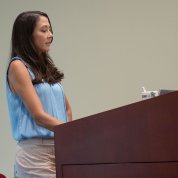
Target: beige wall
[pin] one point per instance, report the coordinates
(108, 50)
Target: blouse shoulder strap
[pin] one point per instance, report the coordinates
(25, 63)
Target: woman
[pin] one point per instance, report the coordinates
(36, 99)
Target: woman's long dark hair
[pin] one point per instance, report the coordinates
(23, 46)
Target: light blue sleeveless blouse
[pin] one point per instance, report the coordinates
(23, 126)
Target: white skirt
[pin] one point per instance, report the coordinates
(35, 158)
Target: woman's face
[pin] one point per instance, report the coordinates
(42, 35)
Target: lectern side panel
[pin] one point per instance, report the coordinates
(140, 132)
(134, 170)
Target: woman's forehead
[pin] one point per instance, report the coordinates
(42, 21)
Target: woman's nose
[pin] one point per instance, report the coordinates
(50, 34)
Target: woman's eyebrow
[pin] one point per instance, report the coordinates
(47, 26)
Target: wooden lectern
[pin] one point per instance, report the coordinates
(139, 140)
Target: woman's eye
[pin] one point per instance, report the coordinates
(43, 30)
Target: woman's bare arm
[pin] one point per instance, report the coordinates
(20, 82)
(68, 109)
